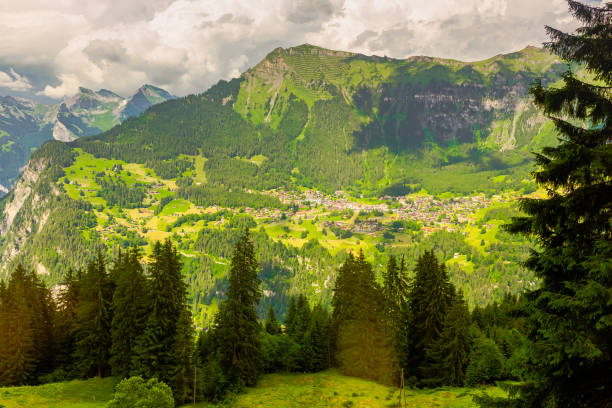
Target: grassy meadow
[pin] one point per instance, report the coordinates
(324, 389)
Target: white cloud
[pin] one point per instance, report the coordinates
(13, 81)
(187, 45)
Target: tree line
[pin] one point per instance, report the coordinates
(117, 320)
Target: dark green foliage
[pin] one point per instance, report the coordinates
(271, 325)
(171, 168)
(570, 360)
(291, 320)
(295, 117)
(213, 382)
(93, 320)
(241, 222)
(234, 173)
(447, 358)
(237, 327)
(486, 363)
(224, 92)
(134, 392)
(155, 137)
(160, 349)
(310, 331)
(181, 380)
(66, 318)
(279, 353)
(26, 324)
(211, 195)
(430, 297)
(395, 287)
(116, 192)
(326, 157)
(319, 340)
(129, 311)
(364, 343)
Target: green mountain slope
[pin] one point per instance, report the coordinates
(269, 149)
(334, 120)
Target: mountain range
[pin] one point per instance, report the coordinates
(25, 125)
(303, 119)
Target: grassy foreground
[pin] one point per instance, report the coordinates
(326, 389)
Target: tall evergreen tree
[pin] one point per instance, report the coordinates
(26, 313)
(430, 297)
(290, 321)
(271, 325)
(395, 287)
(447, 358)
(364, 343)
(93, 320)
(156, 353)
(238, 327)
(129, 311)
(67, 305)
(318, 336)
(182, 379)
(571, 358)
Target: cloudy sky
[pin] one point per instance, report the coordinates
(50, 48)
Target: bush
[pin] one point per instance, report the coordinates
(134, 392)
(486, 364)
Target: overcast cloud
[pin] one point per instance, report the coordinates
(50, 48)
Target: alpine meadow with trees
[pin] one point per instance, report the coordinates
(128, 317)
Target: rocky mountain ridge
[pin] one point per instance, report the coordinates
(25, 125)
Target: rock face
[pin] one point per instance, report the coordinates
(25, 125)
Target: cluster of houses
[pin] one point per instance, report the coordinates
(433, 213)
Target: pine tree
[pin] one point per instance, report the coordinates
(156, 353)
(67, 305)
(93, 320)
(571, 358)
(364, 343)
(290, 321)
(237, 325)
(395, 287)
(430, 297)
(318, 339)
(129, 311)
(271, 325)
(448, 356)
(181, 381)
(26, 343)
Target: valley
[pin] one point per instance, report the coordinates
(320, 153)
(322, 228)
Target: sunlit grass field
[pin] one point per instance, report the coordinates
(324, 389)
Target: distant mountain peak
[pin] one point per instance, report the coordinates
(86, 91)
(107, 94)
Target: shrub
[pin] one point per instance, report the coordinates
(486, 364)
(135, 392)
